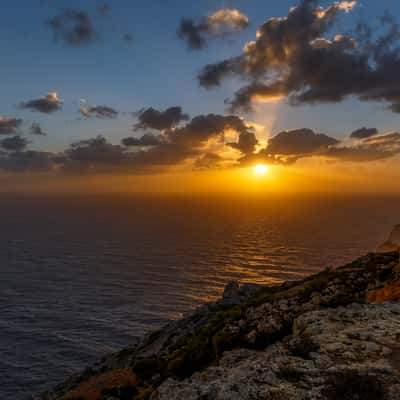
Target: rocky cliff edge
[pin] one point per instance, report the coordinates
(333, 335)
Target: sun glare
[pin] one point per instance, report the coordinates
(260, 169)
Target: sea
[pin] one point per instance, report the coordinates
(85, 275)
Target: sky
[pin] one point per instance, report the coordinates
(176, 86)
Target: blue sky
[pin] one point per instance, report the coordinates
(155, 70)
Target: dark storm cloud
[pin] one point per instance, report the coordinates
(103, 112)
(14, 143)
(220, 23)
(9, 126)
(146, 140)
(47, 104)
(294, 57)
(364, 133)
(36, 129)
(150, 118)
(73, 27)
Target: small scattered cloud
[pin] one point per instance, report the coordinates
(47, 104)
(223, 22)
(128, 38)
(9, 126)
(102, 112)
(150, 118)
(36, 129)
(73, 27)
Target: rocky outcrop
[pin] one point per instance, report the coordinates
(325, 337)
(329, 353)
(392, 243)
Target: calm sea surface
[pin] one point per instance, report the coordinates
(84, 276)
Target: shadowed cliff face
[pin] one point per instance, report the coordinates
(286, 341)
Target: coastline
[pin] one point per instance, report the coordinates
(281, 341)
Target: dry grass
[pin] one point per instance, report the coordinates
(91, 389)
(390, 292)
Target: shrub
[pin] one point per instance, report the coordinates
(148, 367)
(351, 385)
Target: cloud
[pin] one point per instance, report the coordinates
(297, 58)
(290, 146)
(9, 126)
(128, 38)
(22, 161)
(14, 143)
(150, 118)
(191, 141)
(364, 133)
(209, 161)
(299, 142)
(36, 129)
(102, 112)
(96, 150)
(199, 142)
(226, 19)
(73, 27)
(146, 140)
(246, 143)
(220, 23)
(203, 143)
(47, 104)
(371, 149)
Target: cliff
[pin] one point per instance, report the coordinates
(333, 335)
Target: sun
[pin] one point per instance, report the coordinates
(260, 169)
